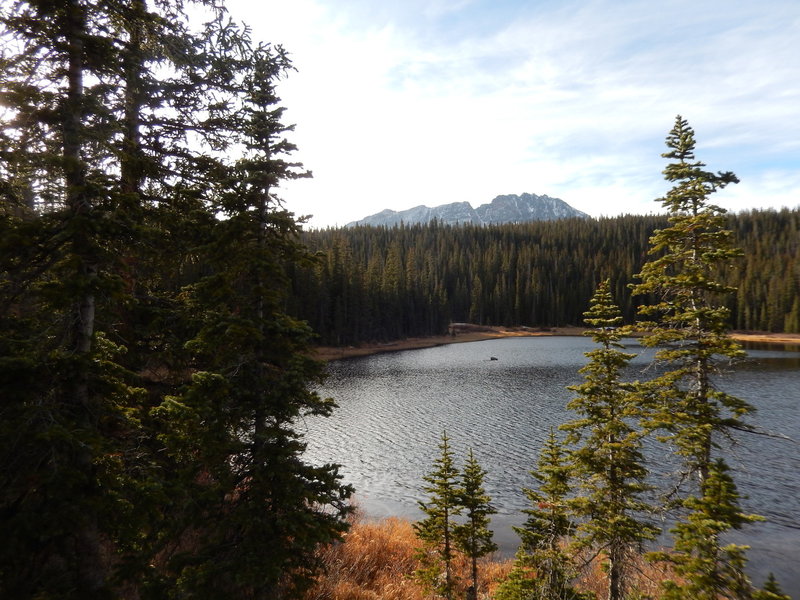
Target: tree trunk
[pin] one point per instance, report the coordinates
(131, 161)
(474, 573)
(77, 196)
(91, 570)
(615, 564)
(447, 558)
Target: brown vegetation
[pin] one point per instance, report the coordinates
(767, 338)
(645, 578)
(376, 561)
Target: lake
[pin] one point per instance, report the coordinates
(393, 408)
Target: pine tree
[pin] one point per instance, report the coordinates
(346, 299)
(68, 417)
(607, 462)
(770, 591)
(436, 530)
(473, 537)
(89, 137)
(270, 509)
(150, 376)
(690, 330)
(690, 325)
(543, 569)
(708, 570)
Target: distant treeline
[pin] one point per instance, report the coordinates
(378, 283)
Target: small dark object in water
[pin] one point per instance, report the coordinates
(492, 358)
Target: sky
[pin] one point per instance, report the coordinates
(401, 103)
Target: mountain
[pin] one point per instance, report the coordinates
(509, 208)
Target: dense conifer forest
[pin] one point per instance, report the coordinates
(158, 304)
(377, 283)
(150, 378)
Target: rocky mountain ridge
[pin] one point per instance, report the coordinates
(508, 208)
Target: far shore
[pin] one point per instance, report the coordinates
(476, 333)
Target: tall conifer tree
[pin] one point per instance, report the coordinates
(608, 465)
(689, 320)
(543, 567)
(771, 590)
(707, 569)
(473, 537)
(252, 382)
(117, 157)
(689, 325)
(66, 410)
(436, 530)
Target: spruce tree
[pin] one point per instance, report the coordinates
(543, 567)
(88, 139)
(706, 569)
(689, 320)
(473, 537)
(270, 509)
(436, 530)
(771, 590)
(151, 378)
(68, 405)
(688, 323)
(607, 463)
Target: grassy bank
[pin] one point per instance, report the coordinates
(477, 333)
(377, 560)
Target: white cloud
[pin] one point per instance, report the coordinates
(572, 100)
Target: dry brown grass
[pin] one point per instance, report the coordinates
(376, 561)
(645, 578)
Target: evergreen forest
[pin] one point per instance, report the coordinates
(378, 283)
(159, 307)
(150, 377)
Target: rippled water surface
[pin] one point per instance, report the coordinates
(393, 408)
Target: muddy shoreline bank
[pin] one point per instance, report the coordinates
(480, 333)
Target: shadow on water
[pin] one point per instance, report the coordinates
(393, 408)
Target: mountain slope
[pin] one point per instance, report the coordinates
(508, 208)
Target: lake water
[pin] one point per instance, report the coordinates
(393, 408)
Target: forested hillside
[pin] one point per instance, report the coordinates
(377, 283)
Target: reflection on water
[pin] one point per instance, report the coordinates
(773, 357)
(771, 347)
(393, 408)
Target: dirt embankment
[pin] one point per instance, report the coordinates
(792, 339)
(466, 332)
(473, 334)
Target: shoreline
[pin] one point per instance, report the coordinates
(475, 333)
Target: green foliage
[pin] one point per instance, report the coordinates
(607, 463)
(374, 283)
(151, 379)
(543, 551)
(453, 493)
(520, 583)
(436, 530)
(68, 489)
(770, 591)
(707, 569)
(689, 321)
(689, 325)
(685, 284)
(473, 537)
